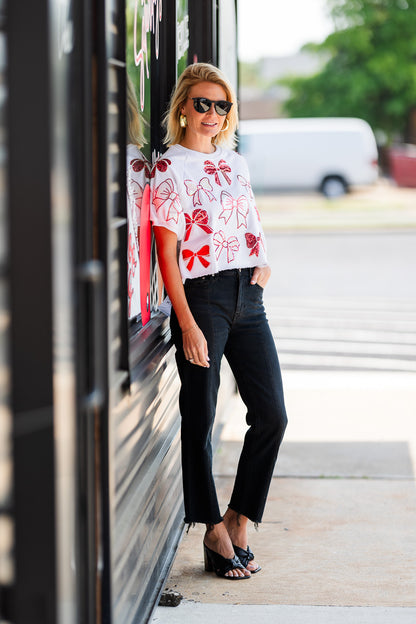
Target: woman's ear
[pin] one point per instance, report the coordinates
(183, 105)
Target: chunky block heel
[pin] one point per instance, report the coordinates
(208, 565)
(220, 565)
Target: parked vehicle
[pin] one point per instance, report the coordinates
(402, 160)
(330, 154)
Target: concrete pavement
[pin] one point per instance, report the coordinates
(190, 612)
(338, 540)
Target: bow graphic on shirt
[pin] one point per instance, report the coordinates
(229, 204)
(165, 194)
(253, 243)
(130, 289)
(137, 164)
(161, 165)
(135, 197)
(135, 193)
(132, 264)
(246, 184)
(223, 168)
(199, 218)
(194, 190)
(231, 244)
(132, 260)
(189, 256)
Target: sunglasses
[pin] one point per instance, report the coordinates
(202, 105)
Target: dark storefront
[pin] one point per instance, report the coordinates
(90, 489)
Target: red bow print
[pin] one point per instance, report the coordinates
(200, 218)
(160, 165)
(241, 206)
(223, 168)
(194, 190)
(134, 206)
(246, 184)
(253, 243)
(165, 193)
(231, 245)
(131, 252)
(132, 264)
(137, 164)
(190, 256)
(130, 289)
(135, 192)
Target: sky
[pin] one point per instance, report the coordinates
(280, 27)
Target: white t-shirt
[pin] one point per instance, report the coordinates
(207, 201)
(136, 180)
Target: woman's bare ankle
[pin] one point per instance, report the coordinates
(236, 525)
(218, 539)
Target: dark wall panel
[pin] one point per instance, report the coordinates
(31, 310)
(147, 486)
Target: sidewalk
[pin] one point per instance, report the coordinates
(338, 539)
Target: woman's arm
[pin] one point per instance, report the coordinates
(194, 344)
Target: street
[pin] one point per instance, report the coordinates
(343, 300)
(355, 264)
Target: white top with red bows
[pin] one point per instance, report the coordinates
(137, 170)
(206, 199)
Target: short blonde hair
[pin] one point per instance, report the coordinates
(192, 75)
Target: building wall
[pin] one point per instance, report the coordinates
(89, 421)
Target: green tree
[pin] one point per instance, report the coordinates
(371, 71)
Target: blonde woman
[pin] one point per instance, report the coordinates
(212, 256)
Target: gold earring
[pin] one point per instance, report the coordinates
(183, 122)
(227, 125)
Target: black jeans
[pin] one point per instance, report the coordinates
(230, 312)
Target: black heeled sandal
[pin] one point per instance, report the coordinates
(220, 565)
(245, 556)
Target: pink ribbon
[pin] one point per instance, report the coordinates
(194, 190)
(165, 194)
(231, 244)
(229, 204)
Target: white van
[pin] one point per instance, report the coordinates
(331, 154)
